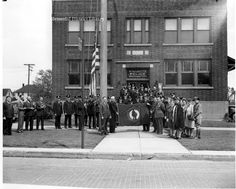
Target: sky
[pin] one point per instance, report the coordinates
(27, 39)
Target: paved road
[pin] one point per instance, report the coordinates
(119, 173)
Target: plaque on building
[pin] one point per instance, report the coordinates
(137, 73)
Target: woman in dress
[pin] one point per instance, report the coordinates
(189, 119)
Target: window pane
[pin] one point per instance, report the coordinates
(203, 78)
(137, 25)
(109, 79)
(170, 37)
(146, 25)
(87, 78)
(109, 38)
(128, 37)
(186, 24)
(187, 66)
(171, 78)
(127, 25)
(89, 25)
(73, 37)
(146, 37)
(74, 79)
(73, 67)
(187, 78)
(170, 24)
(89, 37)
(203, 24)
(203, 37)
(186, 37)
(171, 66)
(203, 65)
(74, 25)
(137, 37)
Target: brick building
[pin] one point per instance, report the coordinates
(179, 43)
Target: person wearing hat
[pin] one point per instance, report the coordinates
(178, 119)
(197, 114)
(21, 114)
(8, 115)
(29, 113)
(97, 103)
(75, 104)
(189, 119)
(68, 110)
(40, 108)
(57, 109)
(105, 115)
(80, 112)
(91, 112)
(114, 114)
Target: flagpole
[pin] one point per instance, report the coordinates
(103, 66)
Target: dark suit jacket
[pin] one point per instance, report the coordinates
(29, 109)
(68, 108)
(158, 110)
(178, 118)
(57, 108)
(80, 108)
(113, 109)
(40, 106)
(8, 110)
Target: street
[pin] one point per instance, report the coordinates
(119, 173)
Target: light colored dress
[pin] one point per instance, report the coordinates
(189, 112)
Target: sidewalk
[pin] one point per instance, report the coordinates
(129, 143)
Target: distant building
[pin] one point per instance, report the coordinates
(180, 44)
(5, 93)
(32, 89)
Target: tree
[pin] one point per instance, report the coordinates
(43, 81)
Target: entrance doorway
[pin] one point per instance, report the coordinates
(138, 76)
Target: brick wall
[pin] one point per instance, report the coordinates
(156, 10)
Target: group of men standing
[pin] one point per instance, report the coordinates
(27, 111)
(87, 112)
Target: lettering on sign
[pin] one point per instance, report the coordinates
(137, 52)
(137, 73)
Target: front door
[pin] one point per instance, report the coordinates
(138, 77)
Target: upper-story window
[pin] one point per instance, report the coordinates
(137, 31)
(74, 31)
(187, 30)
(89, 30)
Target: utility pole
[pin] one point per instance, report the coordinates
(103, 66)
(30, 66)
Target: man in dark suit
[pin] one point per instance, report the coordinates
(57, 109)
(29, 113)
(40, 107)
(8, 115)
(97, 103)
(178, 119)
(68, 111)
(105, 115)
(81, 112)
(91, 111)
(114, 114)
(75, 104)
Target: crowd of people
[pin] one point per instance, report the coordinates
(181, 116)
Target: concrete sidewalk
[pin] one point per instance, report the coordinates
(129, 143)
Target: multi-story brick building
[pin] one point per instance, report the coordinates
(179, 43)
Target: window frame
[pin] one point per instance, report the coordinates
(78, 72)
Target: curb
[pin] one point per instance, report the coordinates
(89, 154)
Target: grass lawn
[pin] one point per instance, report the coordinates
(215, 140)
(70, 138)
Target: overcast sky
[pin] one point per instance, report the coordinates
(27, 39)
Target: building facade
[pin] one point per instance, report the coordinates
(179, 44)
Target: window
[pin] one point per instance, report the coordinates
(187, 72)
(171, 72)
(203, 30)
(187, 30)
(203, 72)
(74, 73)
(87, 72)
(137, 31)
(89, 31)
(186, 34)
(171, 31)
(74, 29)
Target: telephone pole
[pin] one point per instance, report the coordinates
(30, 66)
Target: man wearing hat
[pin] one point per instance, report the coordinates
(97, 102)
(197, 114)
(75, 104)
(105, 115)
(91, 111)
(80, 112)
(57, 109)
(114, 114)
(178, 118)
(68, 111)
